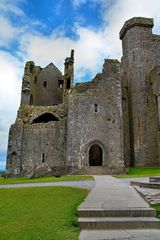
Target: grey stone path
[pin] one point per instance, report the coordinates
(114, 210)
(151, 195)
(81, 184)
(138, 234)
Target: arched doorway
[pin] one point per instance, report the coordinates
(95, 155)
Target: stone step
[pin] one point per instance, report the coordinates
(155, 185)
(132, 234)
(135, 212)
(119, 223)
(154, 179)
(95, 170)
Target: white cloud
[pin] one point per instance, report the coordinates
(77, 3)
(10, 78)
(10, 6)
(91, 46)
(7, 32)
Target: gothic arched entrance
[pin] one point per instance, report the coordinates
(95, 155)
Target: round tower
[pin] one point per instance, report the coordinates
(137, 62)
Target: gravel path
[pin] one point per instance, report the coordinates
(80, 184)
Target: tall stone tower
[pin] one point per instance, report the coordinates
(139, 58)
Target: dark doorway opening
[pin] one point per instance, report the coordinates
(95, 155)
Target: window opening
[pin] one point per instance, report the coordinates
(44, 84)
(147, 101)
(68, 83)
(31, 100)
(44, 118)
(60, 83)
(96, 107)
(43, 157)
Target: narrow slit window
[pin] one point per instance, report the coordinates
(44, 84)
(31, 100)
(96, 107)
(43, 157)
(68, 83)
(147, 101)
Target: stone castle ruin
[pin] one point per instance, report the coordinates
(102, 126)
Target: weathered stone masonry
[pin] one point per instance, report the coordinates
(100, 126)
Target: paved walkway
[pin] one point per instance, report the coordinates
(112, 193)
(110, 198)
(151, 195)
(81, 184)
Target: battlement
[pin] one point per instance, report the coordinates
(111, 66)
(136, 21)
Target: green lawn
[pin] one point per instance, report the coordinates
(45, 179)
(141, 172)
(157, 207)
(40, 213)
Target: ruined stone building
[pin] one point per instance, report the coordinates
(102, 126)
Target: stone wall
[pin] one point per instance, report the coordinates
(103, 127)
(139, 58)
(42, 87)
(37, 142)
(14, 154)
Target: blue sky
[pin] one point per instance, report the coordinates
(45, 30)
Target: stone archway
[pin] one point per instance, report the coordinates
(95, 155)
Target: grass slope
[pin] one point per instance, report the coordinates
(141, 172)
(40, 213)
(45, 179)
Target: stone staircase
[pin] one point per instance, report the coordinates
(95, 170)
(118, 219)
(149, 190)
(124, 209)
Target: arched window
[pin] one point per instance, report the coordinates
(44, 118)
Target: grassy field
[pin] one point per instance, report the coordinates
(40, 213)
(45, 179)
(157, 207)
(141, 172)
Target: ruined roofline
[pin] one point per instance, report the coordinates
(136, 21)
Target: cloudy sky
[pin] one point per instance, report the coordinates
(45, 30)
